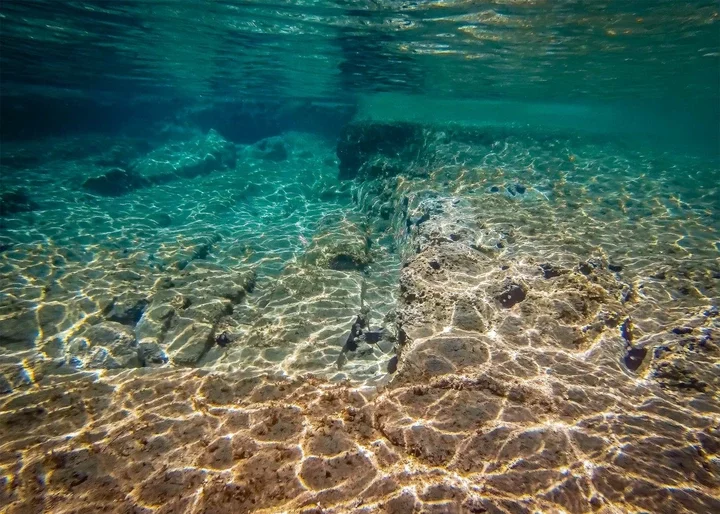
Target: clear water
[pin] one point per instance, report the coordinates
(448, 256)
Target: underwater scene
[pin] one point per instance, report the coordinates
(359, 256)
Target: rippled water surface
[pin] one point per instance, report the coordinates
(505, 48)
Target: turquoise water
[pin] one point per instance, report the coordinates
(379, 256)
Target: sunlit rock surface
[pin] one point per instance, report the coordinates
(438, 320)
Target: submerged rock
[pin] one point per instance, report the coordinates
(511, 294)
(467, 317)
(187, 159)
(271, 149)
(151, 354)
(634, 358)
(162, 219)
(115, 182)
(550, 271)
(107, 345)
(20, 329)
(127, 308)
(16, 201)
(347, 262)
(341, 246)
(359, 142)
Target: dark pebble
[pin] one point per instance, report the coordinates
(494, 189)
(392, 365)
(549, 271)
(520, 189)
(434, 265)
(373, 336)
(511, 296)
(615, 267)
(223, 339)
(634, 358)
(682, 330)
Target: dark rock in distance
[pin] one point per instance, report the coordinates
(115, 182)
(272, 149)
(358, 142)
(16, 201)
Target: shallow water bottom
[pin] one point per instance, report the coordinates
(500, 324)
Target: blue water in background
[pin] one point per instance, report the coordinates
(648, 69)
